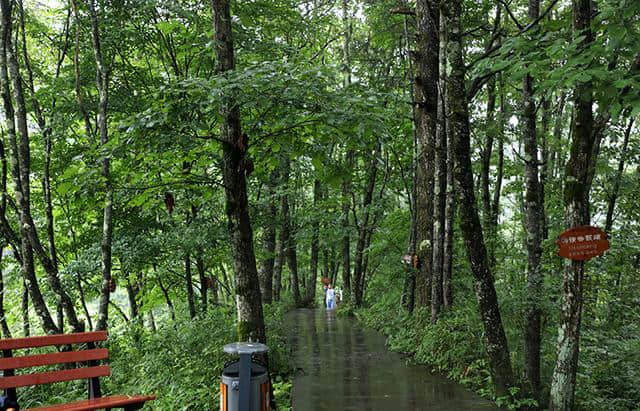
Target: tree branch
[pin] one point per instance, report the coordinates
(513, 18)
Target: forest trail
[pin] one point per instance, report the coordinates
(345, 367)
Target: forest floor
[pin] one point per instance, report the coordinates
(345, 367)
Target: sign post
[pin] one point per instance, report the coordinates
(582, 243)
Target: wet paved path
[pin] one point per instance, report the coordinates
(347, 368)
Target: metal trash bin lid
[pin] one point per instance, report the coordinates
(242, 348)
(232, 370)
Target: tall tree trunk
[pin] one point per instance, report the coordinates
(214, 290)
(248, 298)
(20, 163)
(132, 295)
(427, 65)
(277, 268)
(495, 339)
(408, 292)
(204, 284)
(346, 228)
(46, 134)
(227, 283)
(494, 127)
(613, 195)
(6, 333)
(287, 234)
(315, 244)
(83, 302)
(440, 185)
(544, 166)
(152, 321)
(3, 209)
(491, 128)
(102, 84)
(486, 157)
(26, 324)
(167, 299)
(24, 166)
(349, 159)
(450, 204)
(5, 228)
(269, 240)
(497, 191)
(358, 272)
(371, 227)
(326, 267)
(189, 285)
(576, 203)
(533, 225)
(557, 134)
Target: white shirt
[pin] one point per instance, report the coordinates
(331, 294)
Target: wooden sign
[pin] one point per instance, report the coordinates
(582, 243)
(411, 260)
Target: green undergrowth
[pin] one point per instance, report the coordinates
(180, 363)
(609, 367)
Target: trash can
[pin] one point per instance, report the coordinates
(240, 391)
(230, 387)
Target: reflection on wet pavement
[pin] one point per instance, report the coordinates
(344, 367)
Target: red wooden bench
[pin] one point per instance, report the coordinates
(87, 357)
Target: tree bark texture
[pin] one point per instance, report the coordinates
(24, 154)
(497, 191)
(189, 286)
(544, 166)
(576, 201)
(557, 135)
(269, 239)
(287, 234)
(132, 295)
(204, 283)
(26, 324)
(315, 244)
(440, 184)
(277, 268)
(6, 333)
(533, 226)
(235, 145)
(349, 158)
(46, 134)
(487, 150)
(346, 228)
(358, 272)
(495, 339)
(6, 230)
(83, 302)
(408, 292)
(427, 64)
(167, 299)
(451, 200)
(102, 84)
(20, 166)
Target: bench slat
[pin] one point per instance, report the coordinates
(54, 376)
(114, 401)
(13, 363)
(57, 339)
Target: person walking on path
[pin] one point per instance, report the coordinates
(331, 298)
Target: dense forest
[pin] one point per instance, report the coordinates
(182, 173)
